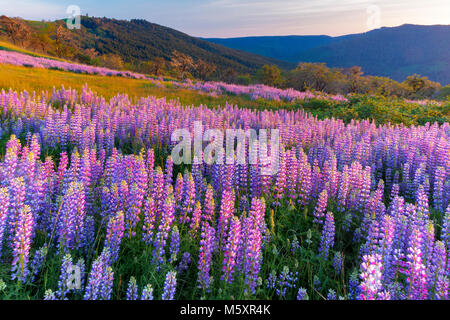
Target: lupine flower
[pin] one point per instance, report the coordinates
(149, 220)
(302, 294)
(331, 295)
(321, 206)
(174, 244)
(147, 292)
(205, 255)
(209, 206)
(132, 291)
(66, 272)
(417, 278)
(38, 260)
(163, 231)
(231, 250)
(71, 221)
(170, 286)
(22, 243)
(17, 193)
(252, 262)
(134, 209)
(114, 235)
(4, 206)
(327, 239)
(286, 281)
(196, 218)
(184, 263)
(446, 228)
(100, 281)
(338, 262)
(371, 277)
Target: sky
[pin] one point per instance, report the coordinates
(235, 18)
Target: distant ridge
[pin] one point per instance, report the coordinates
(395, 52)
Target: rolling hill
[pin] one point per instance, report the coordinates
(139, 40)
(395, 52)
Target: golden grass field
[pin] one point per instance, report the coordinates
(21, 78)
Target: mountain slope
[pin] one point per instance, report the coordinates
(393, 52)
(285, 48)
(137, 41)
(142, 40)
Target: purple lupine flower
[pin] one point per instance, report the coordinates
(17, 193)
(169, 170)
(72, 216)
(286, 281)
(445, 234)
(280, 183)
(114, 234)
(149, 220)
(189, 199)
(178, 192)
(371, 277)
(163, 231)
(417, 278)
(206, 250)
(4, 206)
(147, 292)
(88, 236)
(196, 218)
(331, 295)
(292, 175)
(231, 250)
(253, 258)
(327, 239)
(66, 271)
(437, 272)
(132, 291)
(439, 192)
(159, 191)
(321, 206)
(184, 263)
(100, 281)
(338, 262)
(209, 206)
(150, 163)
(302, 294)
(38, 260)
(174, 244)
(134, 209)
(170, 286)
(422, 205)
(21, 244)
(225, 214)
(354, 289)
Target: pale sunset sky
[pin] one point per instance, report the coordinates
(234, 18)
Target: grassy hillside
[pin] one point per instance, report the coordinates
(137, 42)
(36, 79)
